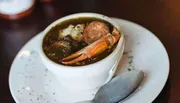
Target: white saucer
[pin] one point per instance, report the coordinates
(31, 82)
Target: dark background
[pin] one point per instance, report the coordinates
(162, 17)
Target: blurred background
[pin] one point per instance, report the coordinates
(159, 16)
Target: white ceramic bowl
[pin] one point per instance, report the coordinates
(90, 76)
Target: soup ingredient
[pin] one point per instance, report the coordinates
(74, 31)
(61, 44)
(63, 47)
(94, 31)
(93, 49)
(67, 38)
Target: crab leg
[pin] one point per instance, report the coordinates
(93, 49)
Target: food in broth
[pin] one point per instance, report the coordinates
(80, 41)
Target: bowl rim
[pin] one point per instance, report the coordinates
(79, 15)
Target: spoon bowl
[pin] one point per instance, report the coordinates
(118, 88)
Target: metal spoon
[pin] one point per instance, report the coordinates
(118, 88)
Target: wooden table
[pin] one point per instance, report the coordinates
(162, 17)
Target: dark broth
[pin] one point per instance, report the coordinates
(56, 55)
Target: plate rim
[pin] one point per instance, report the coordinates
(114, 18)
(166, 53)
(10, 71)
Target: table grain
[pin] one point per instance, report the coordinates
(162, 17)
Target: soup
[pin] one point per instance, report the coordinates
(80, 41)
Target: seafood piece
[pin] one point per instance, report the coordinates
(93, 49)
(65, 32)
(94, 31)
(62, 47)
(74, 31)
(61, 44)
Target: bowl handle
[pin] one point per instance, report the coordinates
(111, 72)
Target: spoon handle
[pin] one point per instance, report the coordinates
(85, 102)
